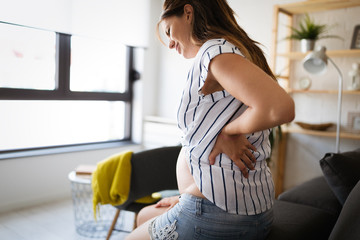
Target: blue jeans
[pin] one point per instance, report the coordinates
(197, 218)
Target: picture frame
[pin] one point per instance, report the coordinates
(355, 43)
(354, 121)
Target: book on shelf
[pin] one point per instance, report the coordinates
(85, 170)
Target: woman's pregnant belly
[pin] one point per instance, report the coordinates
(185, 180)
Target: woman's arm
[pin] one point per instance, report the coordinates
(268, 104)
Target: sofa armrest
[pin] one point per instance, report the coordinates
(347, 225)
(298, 222)
(316, 193)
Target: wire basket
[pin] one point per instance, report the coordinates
(85, 223)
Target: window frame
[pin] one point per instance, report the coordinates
(62, 92)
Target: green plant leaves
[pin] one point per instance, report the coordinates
(308, 29)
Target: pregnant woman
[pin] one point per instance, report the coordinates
(229, 104)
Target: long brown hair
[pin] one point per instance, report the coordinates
(215, 19)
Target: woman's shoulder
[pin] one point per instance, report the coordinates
(217, 42)
(214, 47)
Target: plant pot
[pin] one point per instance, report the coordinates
(307, 45)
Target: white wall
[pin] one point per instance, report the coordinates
(34, 180)
(51, 14)
(108, 19)
(112, 19)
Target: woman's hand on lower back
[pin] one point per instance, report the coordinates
(237, 148)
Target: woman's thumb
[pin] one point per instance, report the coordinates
(212, 156)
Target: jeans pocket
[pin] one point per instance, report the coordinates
(213, 234)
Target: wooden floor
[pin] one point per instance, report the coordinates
(55, 221)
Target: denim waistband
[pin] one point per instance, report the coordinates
(198, 204)
(188, 198)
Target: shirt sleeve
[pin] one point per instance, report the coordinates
(222, 46)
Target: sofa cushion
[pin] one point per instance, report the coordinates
(347, 225)
(341, 172)
(316, 193)
(298, 222)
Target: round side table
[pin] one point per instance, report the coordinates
(85, 223)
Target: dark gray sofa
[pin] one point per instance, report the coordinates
(326, 207)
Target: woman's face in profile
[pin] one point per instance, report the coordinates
(179, 32)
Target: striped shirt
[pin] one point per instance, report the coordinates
(201, 118)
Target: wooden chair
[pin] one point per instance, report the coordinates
(152, 171)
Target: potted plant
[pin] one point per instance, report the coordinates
(308, 32)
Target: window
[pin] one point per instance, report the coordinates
(27, 58)
(62, 90)
(99, 70)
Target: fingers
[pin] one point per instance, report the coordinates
(158, 205)
(162, 203)
(248, 162)
(252, 147)
(167, 202)
(242, 167)
(245, 163)
(213, 155)
(250, 156)
(247, 157)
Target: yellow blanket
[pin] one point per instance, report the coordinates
(111, 181)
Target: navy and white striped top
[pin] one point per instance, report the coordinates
(201, 118)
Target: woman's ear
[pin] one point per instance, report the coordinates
(188, 11)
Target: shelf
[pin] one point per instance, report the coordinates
(345, 92)
(331, 53)
(284, 14)
(296, 129)
(316, 6)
